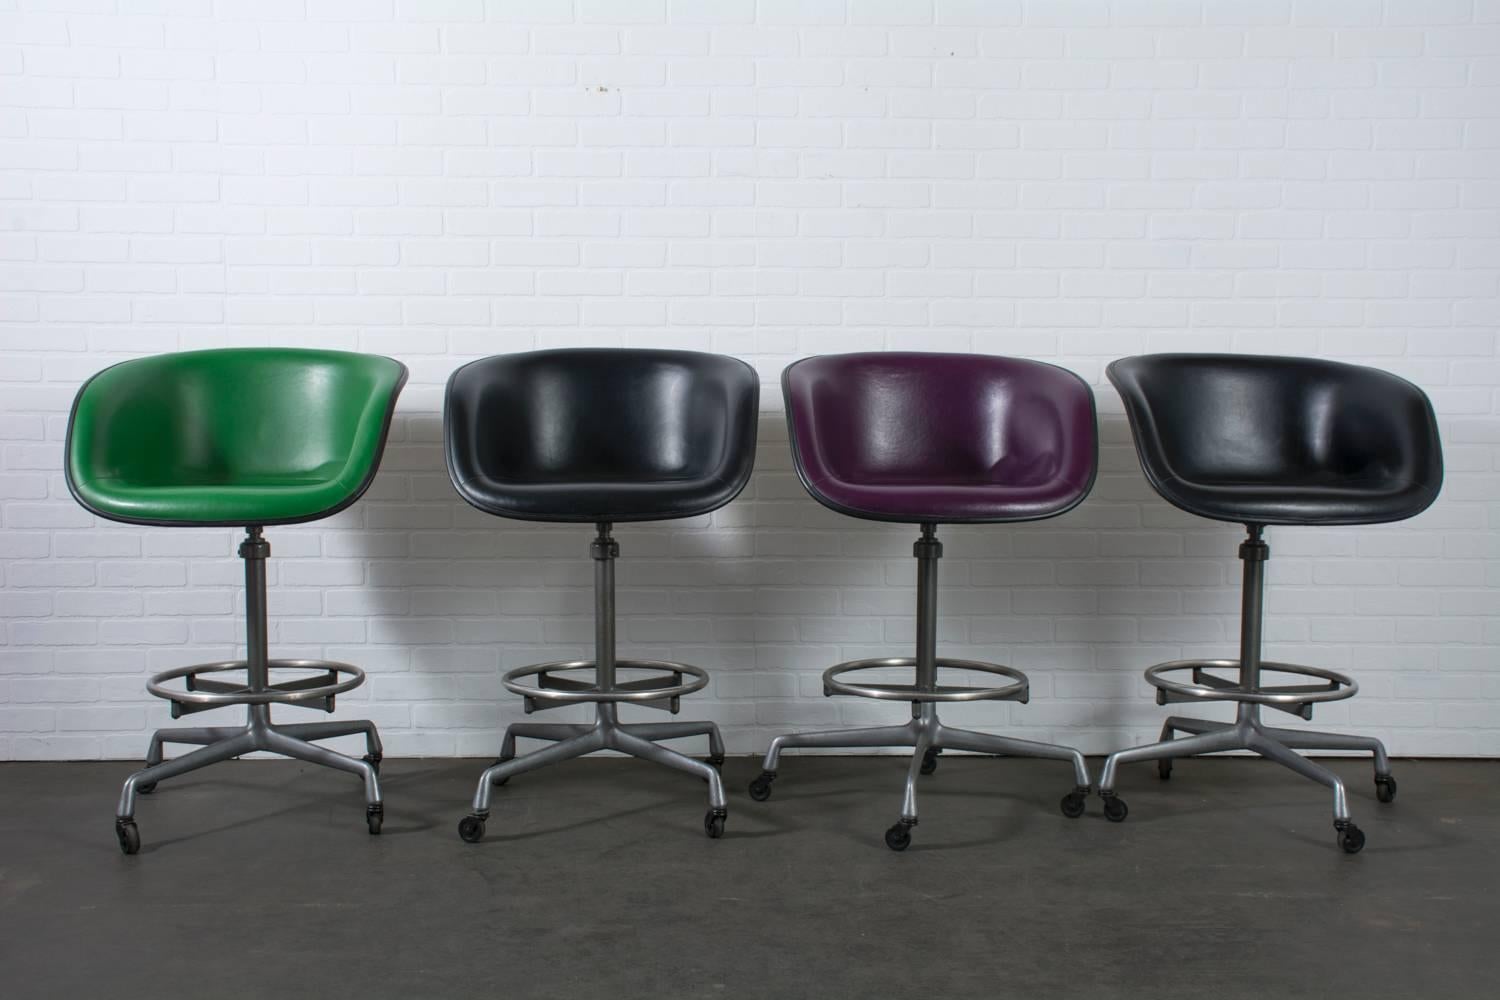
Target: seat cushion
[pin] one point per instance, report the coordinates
(231, 437)
(1269, 440)
(936, 438)
(601, 434)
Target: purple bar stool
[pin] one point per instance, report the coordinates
(935, 439)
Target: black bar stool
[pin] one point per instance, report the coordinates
(602, 436)
(1272, 441)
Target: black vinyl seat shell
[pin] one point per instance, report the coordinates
(1276, 440)
(601, 434)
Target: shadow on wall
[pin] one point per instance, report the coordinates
(772, 589)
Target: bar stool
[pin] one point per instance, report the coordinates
(237, 438)
(602, 436)
(935, 439)
(1272, 441)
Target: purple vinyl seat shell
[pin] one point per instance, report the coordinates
(941, 438)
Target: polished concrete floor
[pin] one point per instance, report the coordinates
(257, 879)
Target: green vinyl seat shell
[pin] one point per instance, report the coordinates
(242, 437)
(231, 437)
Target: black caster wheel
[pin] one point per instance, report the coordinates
(128, 835)
(1385, 788)
(1115, 809)
(374, 815)
(1351, 837)
(1164, 769)
(760, 788)
(713, 823)
(716, 761)
(929, 761)
(150, 786)
(1072, 803)
(471, 829)
(374, 759)
(898, 837)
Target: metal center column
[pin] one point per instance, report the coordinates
(1254, 552)
(604, 550)
(255, 550)
(928, 551)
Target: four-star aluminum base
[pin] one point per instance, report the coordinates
(1247, 731)
(925, 734)
(258, 694)
(662, 688)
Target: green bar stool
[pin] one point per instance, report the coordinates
(237, 438)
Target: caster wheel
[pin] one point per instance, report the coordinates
(1072, 804)
(373, 817)
(929, 762)
(471, 829)
(1164, 769)
(128, 835)
(1385, 788)
(374, 759)
(760, 788)
(1115, 809)
(898, 837)
(1351, 837)
(150, 786)
(716, 761)
(713, 823)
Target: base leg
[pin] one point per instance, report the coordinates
(329, 730)
(1225, 739)
(567, 749)
(657, 731)
(211, 754)
(290, 746)
(963, 739)
(874, 736)
(646, 750)
(554, 731)
(1194, 727)
(1302, 739)
(909, 798)
(200, 736)
(1287, 757)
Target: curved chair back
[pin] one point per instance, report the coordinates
(941, 437)
(1274, 440)
(231, 437)
(601, 434)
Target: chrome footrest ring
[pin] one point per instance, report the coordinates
(1018, 690)
(559, 691)
(200, 695)
(1289, 697)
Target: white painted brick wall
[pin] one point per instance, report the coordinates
(766, 178)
